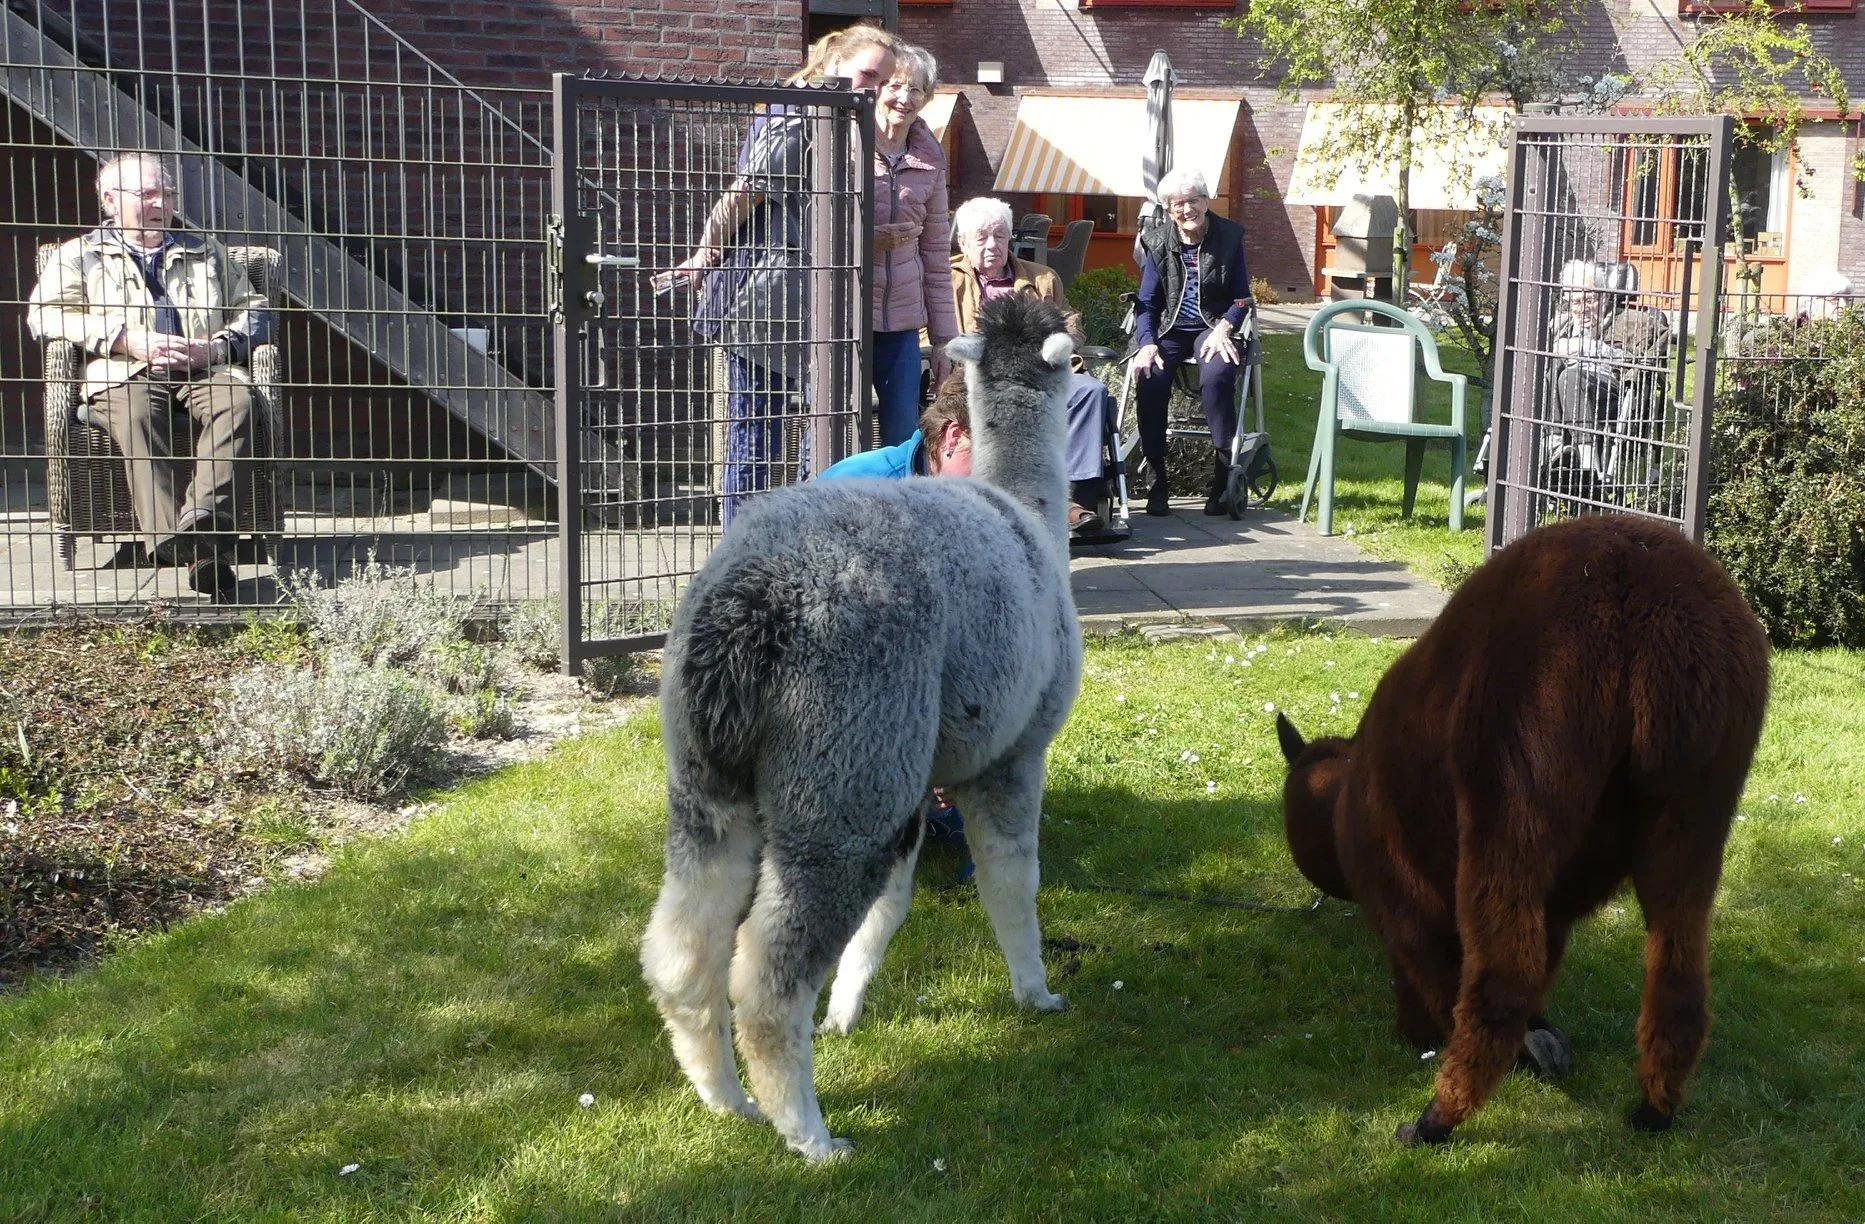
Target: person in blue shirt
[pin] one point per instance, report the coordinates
(946, 422)
(1194, 294)
(941, 446)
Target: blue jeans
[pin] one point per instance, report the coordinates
(897, 384)
(758, 405)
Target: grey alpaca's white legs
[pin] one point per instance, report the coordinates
(861, 960)
(686, 954)
(775, 1004)
(1001, 810)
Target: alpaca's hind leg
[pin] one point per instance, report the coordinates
(1002, 809)
(686, 951)
(1676, 882)
(862, 958)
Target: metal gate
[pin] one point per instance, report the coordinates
(1608, 323)
(712, 261)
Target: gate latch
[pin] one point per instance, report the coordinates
(596, 259)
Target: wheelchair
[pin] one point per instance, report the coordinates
(1253, 474)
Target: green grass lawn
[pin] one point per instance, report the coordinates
(432, 1009)
(1369, 485)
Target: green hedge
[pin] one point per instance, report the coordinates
(1096, 294)
(1787, 504)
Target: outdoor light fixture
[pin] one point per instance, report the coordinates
(990, 72)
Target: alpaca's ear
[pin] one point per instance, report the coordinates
(968, 347)
(1290, 739)
(1057, 348)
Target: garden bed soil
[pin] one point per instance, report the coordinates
(115, 818)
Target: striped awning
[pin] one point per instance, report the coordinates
(1093, 145)
(938, 113)
(1447, 162)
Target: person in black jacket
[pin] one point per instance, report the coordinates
(1194, 294)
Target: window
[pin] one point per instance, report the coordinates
(1686, 7)
(1184, 4)
(1762, 190)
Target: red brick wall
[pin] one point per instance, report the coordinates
(521, 44)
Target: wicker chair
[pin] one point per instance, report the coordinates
(86, 482)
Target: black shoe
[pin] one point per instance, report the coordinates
(215, 579)
(1214, 492)
(1083, 523)
(1156, 503)
(193, 539)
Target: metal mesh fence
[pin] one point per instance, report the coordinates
(1604, 372)
(349, 246)
(715, 247)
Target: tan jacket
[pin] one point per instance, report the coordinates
(1029, 278)
(94, 289)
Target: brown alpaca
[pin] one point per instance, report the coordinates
(1584, 710)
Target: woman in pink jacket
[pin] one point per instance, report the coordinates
(912, 244)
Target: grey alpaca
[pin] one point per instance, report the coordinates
(847, 646)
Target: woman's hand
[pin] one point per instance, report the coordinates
(688, 271)
(941, 365)
(1147, 359)
(1217, 343)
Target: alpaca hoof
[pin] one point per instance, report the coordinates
(1650, 1119)
(1045, 1002)
(838, 1023)
(744, 1107)
(1548, 1052)
(825, 1151)
(1427, 1129)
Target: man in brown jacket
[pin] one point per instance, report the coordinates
(166, 321)
(984, 269)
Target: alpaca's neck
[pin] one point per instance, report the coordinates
(1030, 469)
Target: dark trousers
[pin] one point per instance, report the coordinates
(1217, 385)
(760, 402)
(1585, 397)
(149, 420)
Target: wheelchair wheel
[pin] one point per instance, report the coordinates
(1261, 479)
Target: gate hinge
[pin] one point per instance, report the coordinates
(553, 267)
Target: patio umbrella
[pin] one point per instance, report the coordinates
(1156, 160)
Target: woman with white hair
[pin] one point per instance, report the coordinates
(1604, 341)
(985, 269)
(1194, 294)
(911, 239)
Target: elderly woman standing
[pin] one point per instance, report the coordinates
(984, 269)
(1194, 293)
(911, 241)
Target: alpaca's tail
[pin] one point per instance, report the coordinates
(737, 630)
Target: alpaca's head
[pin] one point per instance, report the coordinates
(1316, 772)
(1017, 366)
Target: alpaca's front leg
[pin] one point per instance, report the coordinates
(1007, 803)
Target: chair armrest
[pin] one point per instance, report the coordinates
(263, 365)
(1098, 353)
(64, 371)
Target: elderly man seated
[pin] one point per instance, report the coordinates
(1604, 343)
(984, 269)
(166, 320)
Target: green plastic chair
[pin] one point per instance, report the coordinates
(1370, 392)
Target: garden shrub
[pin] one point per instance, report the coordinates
(484, 714)
(379, 614)
(1096, 294)
(1787, 502)
(361, 729)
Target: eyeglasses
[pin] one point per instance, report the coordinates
(1187, 202)
(912, 93)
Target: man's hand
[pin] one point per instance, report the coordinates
(941, 365)
(1217, 343)
(165, 352)
(689, 270)
(1148, 358)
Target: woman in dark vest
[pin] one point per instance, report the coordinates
(1194, 294)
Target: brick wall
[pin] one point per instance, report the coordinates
(521, 44)
(1053, 44)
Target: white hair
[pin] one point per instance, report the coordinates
(1182, 184)
(919, 64)
(110, 173)
(976, 213)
